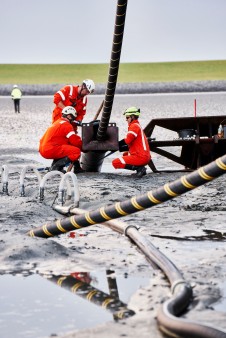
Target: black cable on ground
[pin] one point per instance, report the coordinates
(135, 204)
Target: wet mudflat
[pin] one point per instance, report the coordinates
(189, 229)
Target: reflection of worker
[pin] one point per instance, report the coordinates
(16, 96)
(82, 276)
(60, 142)
(139, 152)
(75, 96)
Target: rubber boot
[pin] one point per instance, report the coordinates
(77, 168)
(59, 164)
(130, 167)
(54, 161)
(141, 171)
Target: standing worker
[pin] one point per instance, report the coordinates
(61, 144)
(139, 152)
(16, 97)
(75, 96)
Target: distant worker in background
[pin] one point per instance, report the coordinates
(61, 144)
(16, 97)
(138, 154)
(75, 96)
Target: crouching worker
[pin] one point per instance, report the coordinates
(61, 144)
(139, 152)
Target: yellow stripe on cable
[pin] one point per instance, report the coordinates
(31, 233)
(103, 214)
(75, 224)
(59, 226)
(220, 164)
(45, 230)
(91, 294)
(185, 182)
(107, 302)
(88, 218)
(169, 191)
(60, 280)
(120, 314)
(204, 175)
(75, 287)
(119, 209)
(152, 198)
(135, 204)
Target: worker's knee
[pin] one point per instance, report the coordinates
(117, 163)
(74, 155)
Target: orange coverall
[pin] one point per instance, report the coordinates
(69, 96)
(60, 141)
(139, 151)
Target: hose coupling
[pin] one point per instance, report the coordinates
(178, 282)
(130, 226)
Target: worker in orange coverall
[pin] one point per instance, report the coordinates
(75, 96)
(60, 142)
(139, 152)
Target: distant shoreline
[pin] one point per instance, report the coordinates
(126, 88)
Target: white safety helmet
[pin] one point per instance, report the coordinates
(89, 84)
(69, 110)
(15, 86)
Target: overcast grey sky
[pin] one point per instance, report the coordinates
(76, 31)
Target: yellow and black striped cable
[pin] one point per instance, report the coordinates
(135, 204)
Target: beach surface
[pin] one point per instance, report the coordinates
(189, 229)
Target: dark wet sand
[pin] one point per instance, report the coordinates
(186, 229)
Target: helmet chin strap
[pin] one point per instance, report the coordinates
(132, 118)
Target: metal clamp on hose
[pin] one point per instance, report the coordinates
(130, 226)
(176, 283)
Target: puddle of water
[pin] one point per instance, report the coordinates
(212, 235)
(33, 307)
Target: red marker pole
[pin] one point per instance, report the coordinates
(195, 107)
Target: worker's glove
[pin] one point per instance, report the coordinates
(78, 123)
(73, 102)
(122, 145)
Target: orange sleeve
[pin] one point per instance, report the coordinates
(75, 140)
(132, 134)
(61, 95)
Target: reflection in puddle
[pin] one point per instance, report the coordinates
(33, 307)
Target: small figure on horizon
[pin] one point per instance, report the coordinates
(61, 144)
(16, 97)
(74, 96)
(138, 154)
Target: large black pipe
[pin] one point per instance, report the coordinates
(181, 290)
(92, 161)
(130, 206)
(113, 68)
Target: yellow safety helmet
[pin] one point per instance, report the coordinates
(132, 111)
